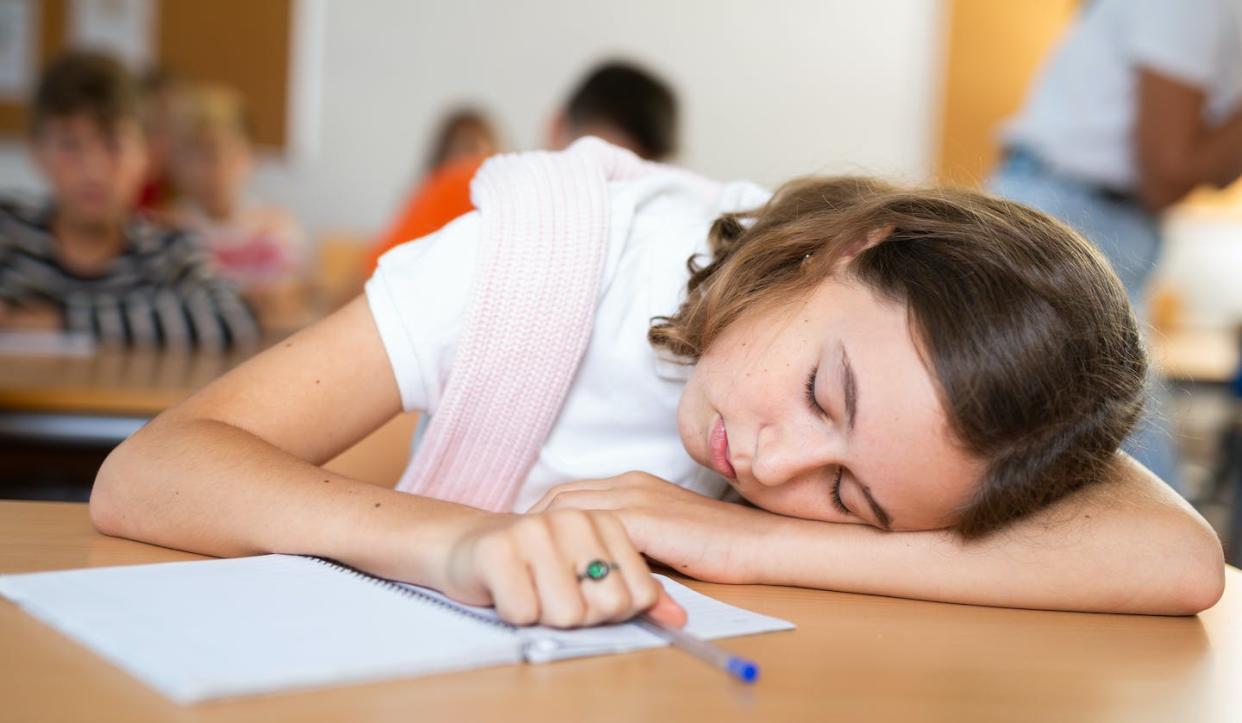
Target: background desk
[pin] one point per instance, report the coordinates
(852, 657)
(60, 415)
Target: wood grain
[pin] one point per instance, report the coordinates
(853, 657)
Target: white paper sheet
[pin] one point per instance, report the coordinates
(220, 628)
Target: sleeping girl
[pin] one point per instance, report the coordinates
(844, 385)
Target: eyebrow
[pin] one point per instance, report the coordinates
(850, 384)
(880, 515)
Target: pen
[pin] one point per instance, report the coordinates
(740, 668)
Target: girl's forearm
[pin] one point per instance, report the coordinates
(172, 485)
(1095, 552)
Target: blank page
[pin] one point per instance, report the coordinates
(215, 628)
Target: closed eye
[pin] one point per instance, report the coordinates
(836, 492)
(810, 392)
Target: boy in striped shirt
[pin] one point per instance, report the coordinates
(84, 262)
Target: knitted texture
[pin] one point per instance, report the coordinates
(545, 225)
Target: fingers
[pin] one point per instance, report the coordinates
(532, 569)
(644, 589)
(581, 542)
(560, 599)
(628, 480)
(667, 612)
(560, 492)
(506, 576)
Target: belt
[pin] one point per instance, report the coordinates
(1025, 156)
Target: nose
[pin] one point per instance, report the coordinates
(97, 162)
(785, 453)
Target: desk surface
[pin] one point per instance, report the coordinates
(139, 383)
(1190, 355)
(852, 656)
(144, 383)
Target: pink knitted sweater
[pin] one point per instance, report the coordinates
(545, 225)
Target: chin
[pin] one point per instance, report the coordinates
(94, 212)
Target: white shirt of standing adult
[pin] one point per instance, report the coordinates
(621, 412)
(1080, 115)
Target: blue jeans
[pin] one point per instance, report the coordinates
(1129, 236)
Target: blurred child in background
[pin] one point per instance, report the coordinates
(83, 261)
(464, 134)
(465, 139)
(160, 91)
(622, 103)
(260, 248)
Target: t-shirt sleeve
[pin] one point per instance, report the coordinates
(418, 297)
(1177, 38)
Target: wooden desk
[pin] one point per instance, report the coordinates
(96, 401)
(852, 657)
(139, 383)
(1196, 355)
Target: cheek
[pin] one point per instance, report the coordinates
(692, 411)
(64, 168)
(130, 165)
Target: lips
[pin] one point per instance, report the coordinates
(718, 444)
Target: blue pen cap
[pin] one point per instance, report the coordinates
(743, 670)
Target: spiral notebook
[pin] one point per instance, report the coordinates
(222, 628)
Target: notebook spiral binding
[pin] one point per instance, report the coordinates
(409, 592)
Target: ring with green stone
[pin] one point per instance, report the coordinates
(597, 570)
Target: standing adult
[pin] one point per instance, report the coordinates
(1138, 105)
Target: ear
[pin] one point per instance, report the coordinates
(873, 237)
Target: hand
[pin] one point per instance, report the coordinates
(699, 536)
(528, 567)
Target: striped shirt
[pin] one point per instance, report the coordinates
(158, 292)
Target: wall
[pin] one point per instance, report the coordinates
(993, 52)
(770, 90)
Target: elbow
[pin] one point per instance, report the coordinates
(1205, 583)
(111, 495)
(1200, 578)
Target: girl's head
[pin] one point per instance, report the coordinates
(211, 157)
(462, 134)
(907, 359)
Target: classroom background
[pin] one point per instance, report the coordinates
(344, 102)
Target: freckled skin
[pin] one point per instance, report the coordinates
(786, 454)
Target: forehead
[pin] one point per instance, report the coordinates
(902, 446)
(85, 125)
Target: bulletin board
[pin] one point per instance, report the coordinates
(241, 43)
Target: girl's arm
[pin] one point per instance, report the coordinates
(1130, 545)
(235, 470)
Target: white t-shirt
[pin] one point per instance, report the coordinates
(1079, 117)
(621, 411)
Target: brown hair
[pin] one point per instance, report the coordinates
(455, 122)
(204, 110)
(1023, 324)
(626, 97)
(88, 83)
